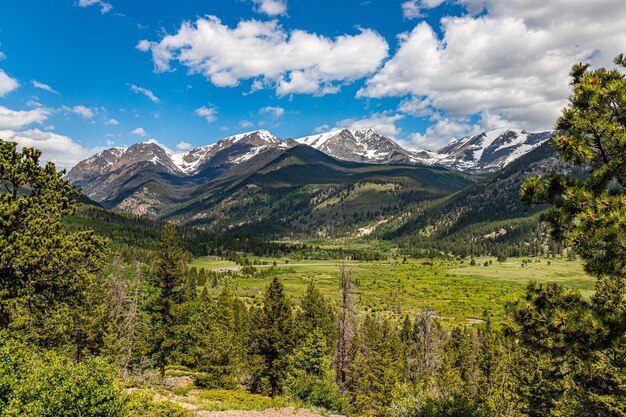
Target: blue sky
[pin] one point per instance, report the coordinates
(80, 75)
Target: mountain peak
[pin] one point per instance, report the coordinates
(490, 150)
(363, 145)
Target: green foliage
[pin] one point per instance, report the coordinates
(589, 214)
(168, 302)
(311, 379)
(220, 329)
(316, 314)
(273, 338)
(41, 385)
(143, 405)
(50, 290)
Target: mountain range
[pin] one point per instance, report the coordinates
(337, 183)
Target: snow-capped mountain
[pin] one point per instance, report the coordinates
(148, 178)
(103, 175)
(230, 150)
(360, 145)
(489, 151)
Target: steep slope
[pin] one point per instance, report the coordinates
(491, 150)
(231, 150)
(146, 178)
(360, 145)
(303, 191)
(483, 216)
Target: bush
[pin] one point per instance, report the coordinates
(48, 385)
(143, 405)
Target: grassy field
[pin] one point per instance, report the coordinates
(458, 292)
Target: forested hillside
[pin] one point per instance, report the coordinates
(485, 218)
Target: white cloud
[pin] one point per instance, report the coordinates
(291, 62)
(139, 132)
(384, 123)
(510, 61)
(7, 84)
(183, 146)
(104, 6)
(148, 93)
(246, 124)
(321, 129)
(82, 111)
(441, 132)
(34, 102)
(271, 7)
(276, 112)
(45, 87)
(208, 113)
(18, 119)
(62, 150)
(111, 122)
(412, 9)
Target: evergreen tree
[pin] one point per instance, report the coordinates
(589, 214)
(316, 314)
(170, 292)
(273, 338)
(218, 348)
(51, 291)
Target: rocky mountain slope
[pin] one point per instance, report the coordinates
(255, 182)
(489, 151)
(360, 145)
(484, 214)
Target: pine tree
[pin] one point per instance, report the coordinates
(51, 288)
(589, 215)
(169, 279)
(316, 314)
(273, 337)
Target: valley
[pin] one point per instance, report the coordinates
(459, 293)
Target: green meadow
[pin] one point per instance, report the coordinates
(459, 293)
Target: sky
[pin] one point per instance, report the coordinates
(79, 76)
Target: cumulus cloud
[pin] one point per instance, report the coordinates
(104, 6)
(246, 124)
(503, 61)
(148, 93)
(276, 112)
(441, 132)
(208, 113)
(82, 111)
(271, 7)
(7, 84)
(384, 123)
(296, 62)
(139, 132)
(18, 119)
(62, 150)
(111, 122)
(44, 87)
(413, 9)
(183, 146)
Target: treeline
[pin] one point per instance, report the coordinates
(132, 231)
(513, 238)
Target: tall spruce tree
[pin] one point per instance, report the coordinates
(273, 337)
(316, 314)
(171, 291)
